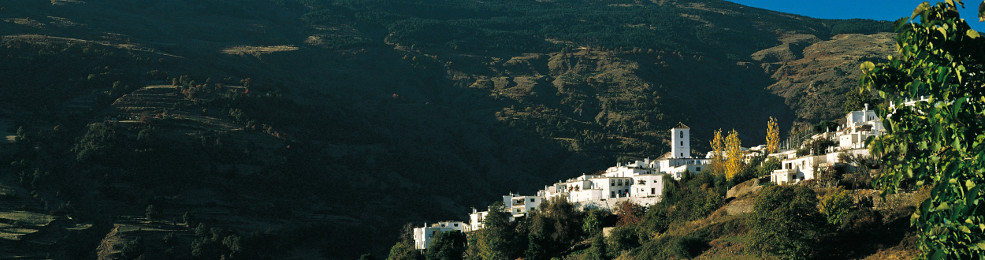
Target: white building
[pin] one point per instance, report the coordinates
(798, 169)
(640, 181)
(424, 235)
(850, 137)
(859, 126)
(476, 219)
(679, 160)
(680, 141)
(519, 206)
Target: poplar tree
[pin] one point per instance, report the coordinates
(733, 154)
(718, 149)
(772, 136)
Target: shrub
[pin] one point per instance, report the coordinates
(447, 246)
(598, 249)
(836, 205)
(672, 247)
(593, 222)
(404, 251)
(786, 222)
(623, 238)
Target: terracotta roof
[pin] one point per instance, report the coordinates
(681, 125)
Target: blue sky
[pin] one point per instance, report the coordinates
(888, 10)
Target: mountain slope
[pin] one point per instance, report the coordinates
(306, 121)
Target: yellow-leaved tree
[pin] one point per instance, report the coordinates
(772, 136)
(718, 151)
(733, 155)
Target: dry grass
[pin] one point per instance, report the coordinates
(30, 218)
(15, 233)
(244, 50)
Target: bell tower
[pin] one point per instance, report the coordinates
(680, 141)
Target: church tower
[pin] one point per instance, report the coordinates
(680, 141)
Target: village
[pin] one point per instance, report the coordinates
(642, 181)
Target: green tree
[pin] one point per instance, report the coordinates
(768, 166)
(497, 237)
(447, 246)
(553, 228)
(598, 249)
(786, 222)
(856, 100)
(940, 141)
(404, 251)
(623, 238)
(836, 205)
(593, 221)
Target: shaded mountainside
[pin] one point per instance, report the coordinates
(810, 74)
(304, 121)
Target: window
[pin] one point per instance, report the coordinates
(682, 154)
(682, 134)
(697, 169)
(531, 200)
(456, 224)
(653, 190)
(612, 194)
(682, 143)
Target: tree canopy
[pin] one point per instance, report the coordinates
(938, 138)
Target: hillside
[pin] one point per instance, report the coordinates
(304, 121)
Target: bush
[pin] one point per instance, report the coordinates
(404, 251)
(786, 222)
(623, 238)
(673, 247)
(598, 249)
(592, 224)
(836, 205)
(447, 246)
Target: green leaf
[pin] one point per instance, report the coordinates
(956, 108)
(964, 229)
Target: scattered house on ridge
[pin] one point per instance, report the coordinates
(423, 236)
(850, 139)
